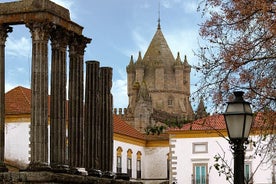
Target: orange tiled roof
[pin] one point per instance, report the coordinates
(18, 101)
(121, 127)
(214, 122)
(217, 122)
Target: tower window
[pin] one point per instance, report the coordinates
(170, 102)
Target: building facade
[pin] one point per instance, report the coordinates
(157, 81)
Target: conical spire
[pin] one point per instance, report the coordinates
(139, 60)
(178, 59)
(157, 49)
(201, 112)
(185, 60)
(131, 67)
(159, 26)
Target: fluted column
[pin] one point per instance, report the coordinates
(39, 101)
(3, 36)
(59, 41)
(106, 119)
(91, 117)
(75, 124)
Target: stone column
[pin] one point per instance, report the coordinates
(39, 102)
(106, 119)
(75, 109)
(91, 117)
(59, 39)
(3, 36)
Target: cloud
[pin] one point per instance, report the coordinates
(19, 47)
(119, 91)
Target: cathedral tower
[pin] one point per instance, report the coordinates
(157, 81)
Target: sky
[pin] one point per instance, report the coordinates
(119, 29)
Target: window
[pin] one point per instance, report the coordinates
(200, 174)
(200, 147)
(129, 162)
(119, 160)
(138, 169)
(119, 164)
(139, 154)
(170, 101)
(247, 172)
(129, 170)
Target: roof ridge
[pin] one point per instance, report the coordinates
(24, 94)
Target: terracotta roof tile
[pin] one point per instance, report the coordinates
(214, 122)
(121, 127)
(18, 101)
(217, 122)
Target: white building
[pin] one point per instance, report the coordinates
(183, 155)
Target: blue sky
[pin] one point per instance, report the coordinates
(119, 29)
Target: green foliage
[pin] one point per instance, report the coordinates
(168, 123)
(223, 168)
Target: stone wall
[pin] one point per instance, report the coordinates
(55, 178)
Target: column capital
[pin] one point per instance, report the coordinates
(59, 37)
(39, 30)
(4, 30)
(78, 44)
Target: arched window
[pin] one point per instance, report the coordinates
(139, 155)
(119, 160)
(129, 162)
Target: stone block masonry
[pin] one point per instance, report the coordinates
(55, 178)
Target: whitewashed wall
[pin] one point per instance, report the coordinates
(153, 160)
(186, 158)
(17, 142)
(156, 162)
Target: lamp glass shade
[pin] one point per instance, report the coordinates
(238, 118)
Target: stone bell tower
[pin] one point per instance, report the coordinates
(159, 82)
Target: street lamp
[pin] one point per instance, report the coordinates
(238, 118)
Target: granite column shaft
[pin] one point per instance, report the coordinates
(106, 119)
(76, 89)
(39, 96)
(3, 35)
(58, 99)
(91, 118)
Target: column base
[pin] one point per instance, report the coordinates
(59, 168)
(39, 166)
(95, 172)
(77, 171)
(3, 167)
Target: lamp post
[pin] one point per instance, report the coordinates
(238, 118)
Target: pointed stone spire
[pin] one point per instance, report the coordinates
(201, 111)
(139, 60)
(178, 59)
(131, 65)
(159, 26)
(158, 49)
(186, 61)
